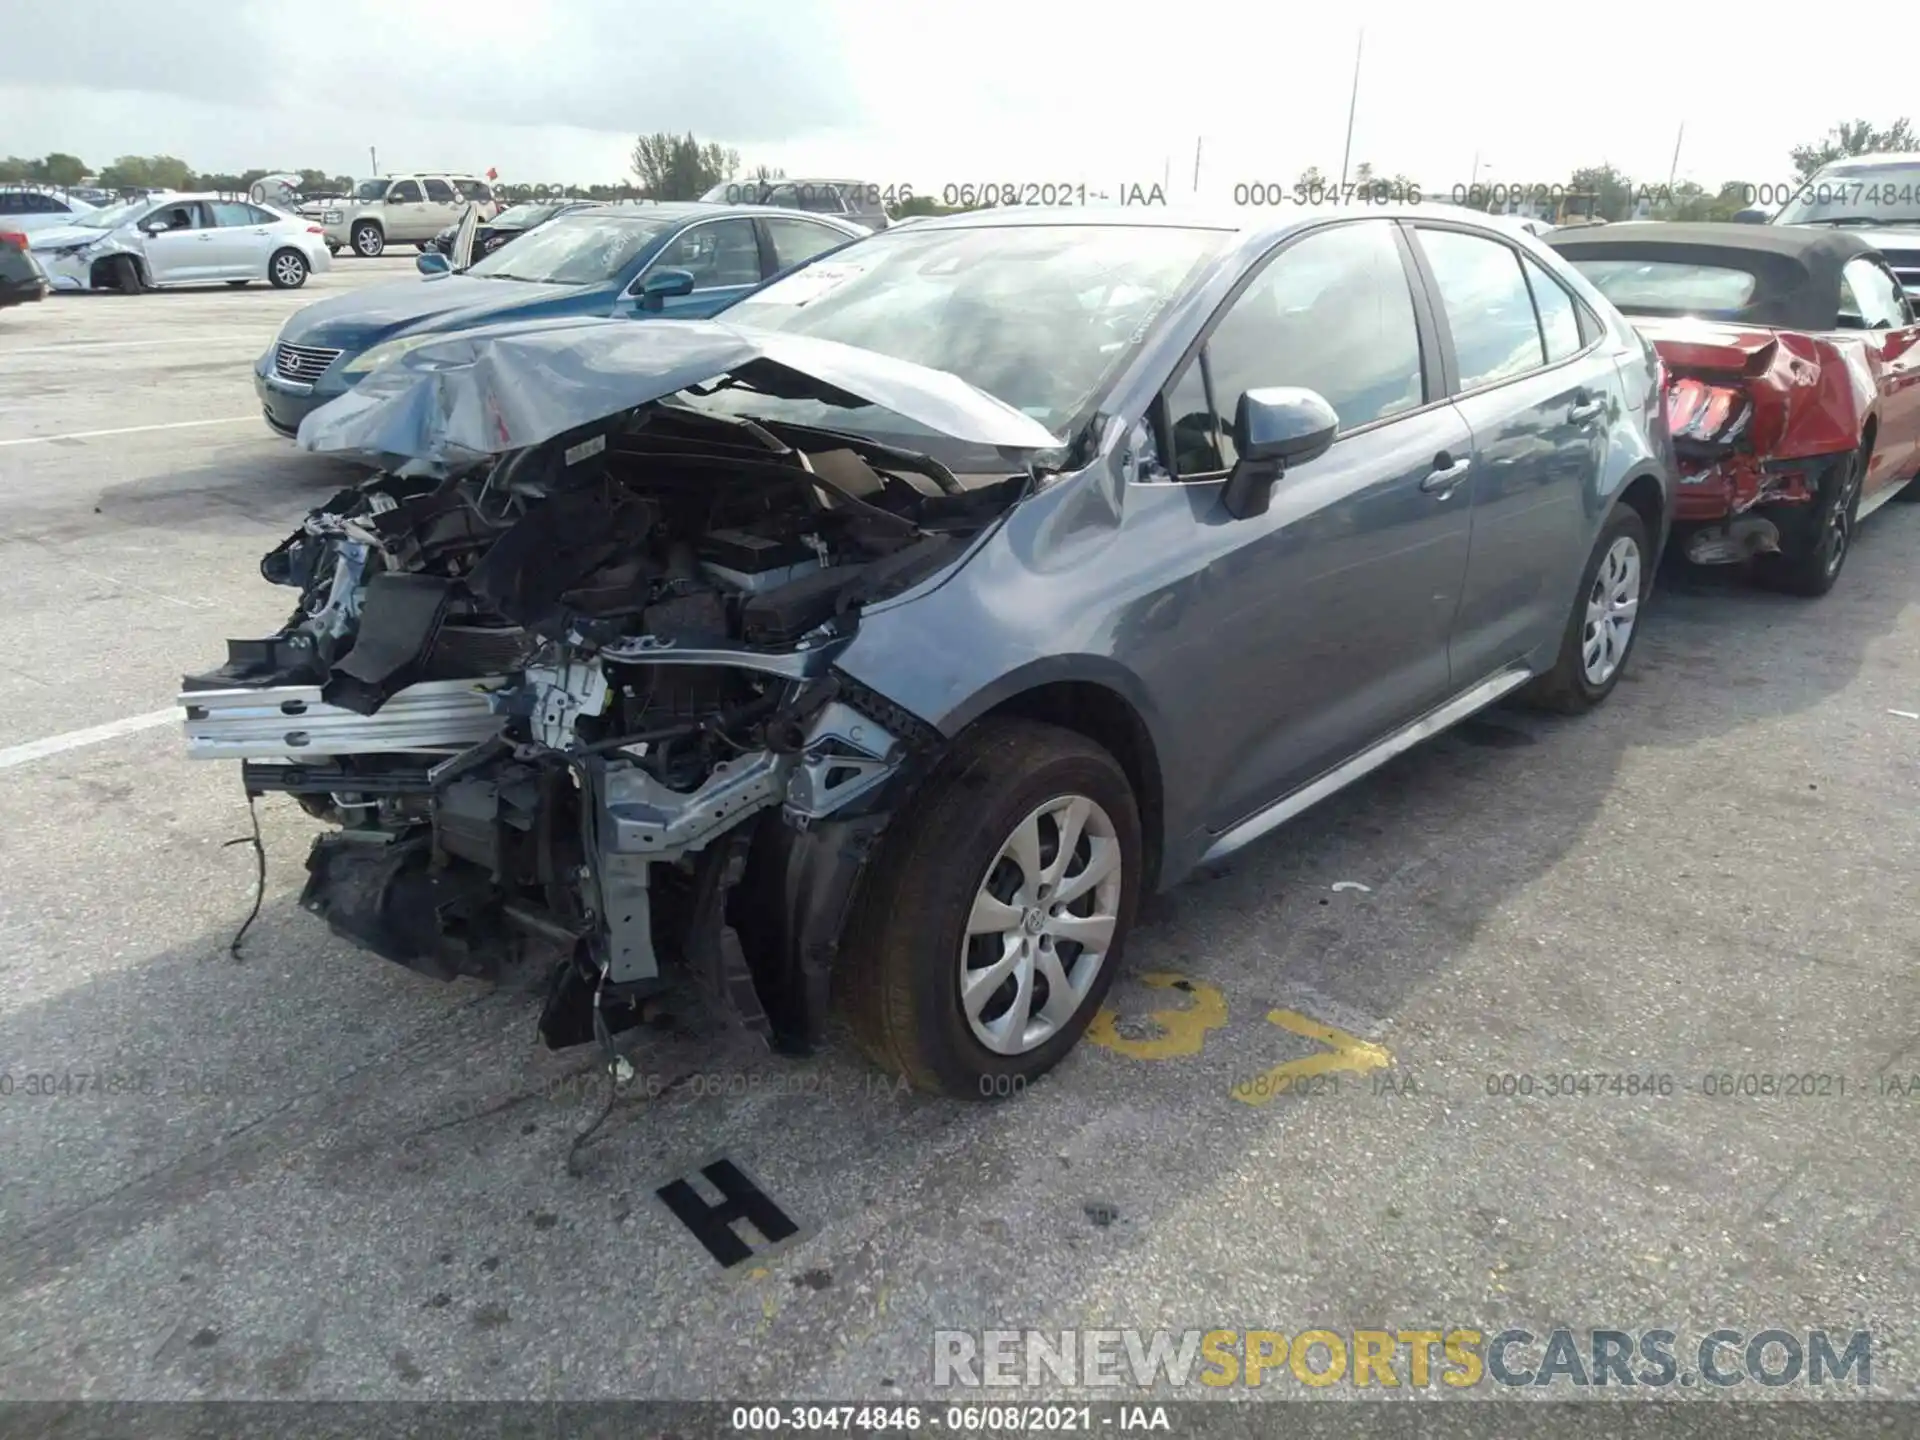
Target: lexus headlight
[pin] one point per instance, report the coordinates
(380, 354)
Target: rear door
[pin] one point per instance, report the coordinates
(443, 204)
(1871, 299)
(1530, 376)
(242, 240)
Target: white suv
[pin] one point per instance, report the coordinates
(407, 208)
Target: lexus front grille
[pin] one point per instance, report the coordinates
(304, 363)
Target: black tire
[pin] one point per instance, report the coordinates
(1908, 493)
(287, 269)
(332, 249)
(899, 980)
(1567, 687)
(1816, 539)
(369, 240)
(237, 284)
(126, 275)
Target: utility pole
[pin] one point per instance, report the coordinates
(1353, 101)
(1674, 169)
(373, 159)
(1196, 162)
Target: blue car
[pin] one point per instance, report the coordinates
(686, 261)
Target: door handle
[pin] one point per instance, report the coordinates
(1587, 409)
(206, 239)
(1446, 476)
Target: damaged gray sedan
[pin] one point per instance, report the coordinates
(885, 639)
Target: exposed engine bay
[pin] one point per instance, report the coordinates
(579, 702)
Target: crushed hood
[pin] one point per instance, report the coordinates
(455, 401)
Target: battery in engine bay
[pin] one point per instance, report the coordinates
(742, 560)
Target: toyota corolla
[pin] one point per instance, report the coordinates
(889, 637)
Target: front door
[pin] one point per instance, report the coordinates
(184, 252)
(1321, 626)
(1872, 300)
(724, 259)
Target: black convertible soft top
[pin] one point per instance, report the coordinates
(1797, 267)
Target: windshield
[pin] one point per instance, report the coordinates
(1670, 286)
(1879, 195)
(574, 250)
(525, 215)
(1039, 316)
(113, 216)
(370, 190)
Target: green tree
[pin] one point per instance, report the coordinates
(679, 167)
(15, 168)
(1613, 190)
(147, 172)
(1852, 137)
(59, 169)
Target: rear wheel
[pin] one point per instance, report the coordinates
(1814, 542)
(368, 240)
(1605, 620)
(287, 270)
(992, 924)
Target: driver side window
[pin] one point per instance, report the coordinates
(405, 193)
(1870, 298)
(1333, 312)
(719, 253)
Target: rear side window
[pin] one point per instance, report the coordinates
(1489, 309)
(233, 214)
(1559, 315)
(1869, 298)
(440, 192)
(798, 240)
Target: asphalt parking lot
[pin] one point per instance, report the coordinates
(309, 1173)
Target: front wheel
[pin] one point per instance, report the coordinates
(1814, 543)
(992, 924)
(1605, 620)
(287, 270)
(368, 240)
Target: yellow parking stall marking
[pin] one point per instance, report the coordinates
(1345, 1053)
(1183, 1031)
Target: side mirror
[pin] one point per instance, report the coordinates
(154, 227)
(662, 284)
(1274, 429)
(432, 262)
(1753, 215)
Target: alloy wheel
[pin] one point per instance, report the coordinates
(1840, 516)
(1042, 924)
(1613, 605)
(289, 270)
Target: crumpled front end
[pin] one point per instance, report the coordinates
(74, 264)
(580, 702)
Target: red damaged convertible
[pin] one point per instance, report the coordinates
(1793, 383)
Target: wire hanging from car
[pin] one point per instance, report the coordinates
(259, 874)
(614, 1062)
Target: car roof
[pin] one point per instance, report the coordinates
(1808, 244)
(1884, 157)
(710, 210)
(1796, 268)
(1250, 224)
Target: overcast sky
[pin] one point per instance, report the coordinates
(1111, 93)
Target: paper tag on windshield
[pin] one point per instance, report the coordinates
(809, 284)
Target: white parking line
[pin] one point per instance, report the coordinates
(69, 345)
(74, 739)
(126, 430)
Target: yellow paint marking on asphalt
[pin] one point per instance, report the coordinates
(1345, 1053)
(1183, 1031)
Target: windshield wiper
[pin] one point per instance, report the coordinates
(1854, 220)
